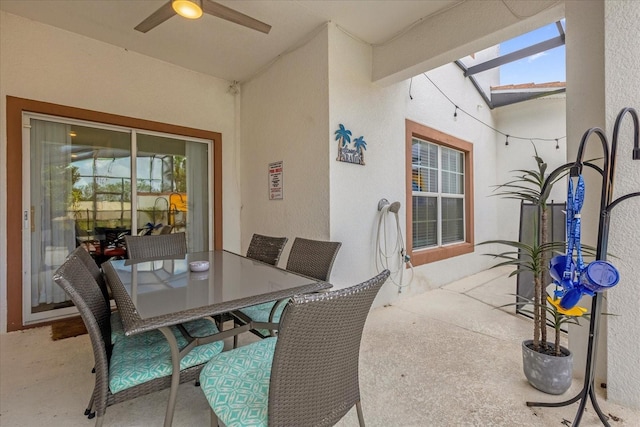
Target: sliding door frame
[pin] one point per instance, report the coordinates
(15, 109)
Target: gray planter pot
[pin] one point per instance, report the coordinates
(550, 374)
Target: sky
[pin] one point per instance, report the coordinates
(548, 66)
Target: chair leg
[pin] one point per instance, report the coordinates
(235, 337)
(360, 416)
(214, 419)
(99, 421)
(90, 405)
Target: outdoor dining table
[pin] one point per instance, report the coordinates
(160, 293)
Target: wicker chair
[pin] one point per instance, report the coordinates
(313, 258)
(266, 249)
(93, 268)
(146, 354)
(162, 245)
(117, 330)
(307, 376)
(262, 248)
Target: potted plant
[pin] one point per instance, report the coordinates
(538, 354)
(550, 368)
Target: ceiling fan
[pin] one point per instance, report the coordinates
(193, 9)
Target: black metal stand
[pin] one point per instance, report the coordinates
(606, 205)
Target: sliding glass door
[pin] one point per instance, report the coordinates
(173, 187)
(78, 191)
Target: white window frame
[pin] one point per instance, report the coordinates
(439, 195)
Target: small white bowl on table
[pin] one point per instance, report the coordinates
(197, 266)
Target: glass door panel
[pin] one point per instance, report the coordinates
(79, 180)
(78, 176)
(172, 182)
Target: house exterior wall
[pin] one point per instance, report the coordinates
(539, 118)
(622, 61)
(376, 114)
(285, 117)
(346, 205)
(379, 113)
(603, 55)
(44, 63)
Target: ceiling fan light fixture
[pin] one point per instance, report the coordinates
(191, 9)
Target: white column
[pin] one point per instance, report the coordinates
(603, 56)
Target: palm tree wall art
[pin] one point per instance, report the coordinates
(345, 152)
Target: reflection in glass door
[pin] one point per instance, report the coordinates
(80, 194)
(79, 181)
(173, 188)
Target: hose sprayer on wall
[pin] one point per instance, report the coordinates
(396, 258)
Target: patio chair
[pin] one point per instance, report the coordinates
(313, 258)
(117, 330)
(307, 376)
(262, 248)
(161, 245)
(148, 355)
(266, 248)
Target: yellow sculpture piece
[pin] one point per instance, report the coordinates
(573, 311)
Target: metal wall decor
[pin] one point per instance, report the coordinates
(347, 151)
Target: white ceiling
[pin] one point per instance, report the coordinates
(220, 48)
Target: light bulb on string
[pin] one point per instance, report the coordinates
(498, 131)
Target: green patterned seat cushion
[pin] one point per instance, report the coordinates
(144, 357)
(236, 384)
(261, 312)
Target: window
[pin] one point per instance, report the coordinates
(440, 194)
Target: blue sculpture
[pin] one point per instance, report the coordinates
(574, 278)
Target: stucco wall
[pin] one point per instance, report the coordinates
(603, 55)
(622, 61)
(539, 118)
(44, 63)
(345, 201)
(431, 108)
(285, 117)
(379, 113)
(376, 114)
(585, 109)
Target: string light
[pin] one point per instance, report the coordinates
(455, 115)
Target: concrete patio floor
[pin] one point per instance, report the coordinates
(442, 358)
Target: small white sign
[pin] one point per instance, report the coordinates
(275, 181)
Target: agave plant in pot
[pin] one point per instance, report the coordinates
(539, 355)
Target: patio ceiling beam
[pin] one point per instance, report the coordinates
(475, 84)
(502, 99)
(514, 56)
(560, 28)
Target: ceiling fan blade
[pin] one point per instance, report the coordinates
(156, 18)
(216, 9)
